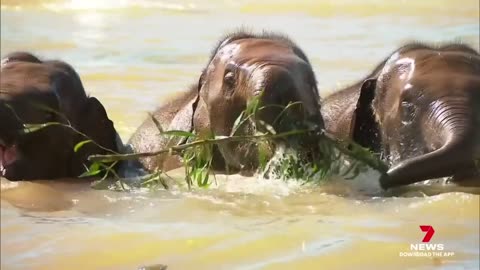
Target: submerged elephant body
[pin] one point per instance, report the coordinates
(421, 110)
(242, 67)
(37, 92)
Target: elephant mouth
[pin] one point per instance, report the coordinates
(8, 156)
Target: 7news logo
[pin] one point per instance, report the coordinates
(429, 232)
(427, 249)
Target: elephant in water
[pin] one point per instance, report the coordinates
(420, 109)
(37, 92)
(243, 66)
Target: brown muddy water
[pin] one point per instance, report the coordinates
(132, 54)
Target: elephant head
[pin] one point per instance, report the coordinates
(37, 92)
(267, 67)
(427, 105)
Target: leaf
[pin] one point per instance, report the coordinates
(351, 167)
(48, 109)
(157, 124)
(80, 144)
(152, 181)
(286, 108)
(179, 133)
(203, 177)
(268, 127)
(30, 128)
(93, 170)
(265, 152)
(237, 122)
(252, 105)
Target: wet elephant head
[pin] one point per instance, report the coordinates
(427, 105)
(37, 92)
(419, 109)
(267, 67)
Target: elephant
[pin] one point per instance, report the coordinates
(420, 109)
(243, 66)
(175, 114)
(37, 92)
(348, 114)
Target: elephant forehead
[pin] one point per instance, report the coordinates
(19, 78)
(245, 51)
(403, 66)
(450, 63)
(27, 86)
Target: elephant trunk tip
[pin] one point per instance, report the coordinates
(443, 162)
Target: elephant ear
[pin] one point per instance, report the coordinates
(94, 123)
(184, 118)
(365, 129)
(177, 114)
(68, 88)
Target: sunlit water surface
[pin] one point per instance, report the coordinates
(134, 54)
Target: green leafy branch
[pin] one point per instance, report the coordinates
(180, 148)
(328, 157)
(197, 153)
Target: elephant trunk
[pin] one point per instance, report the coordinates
(286, 85)
(452, 121)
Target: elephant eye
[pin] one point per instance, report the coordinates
(229, 79)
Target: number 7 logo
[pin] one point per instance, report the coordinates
(429, 232)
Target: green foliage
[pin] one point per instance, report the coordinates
(198, 161)
(80, 145)
(93, 170)
(265, 153)
(30, 128)
(282, 155)
(157, 124)
(303, 152)
(320, 158)
(178, 133)
(154, 181)
(293, 164)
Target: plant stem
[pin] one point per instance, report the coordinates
(179, 148)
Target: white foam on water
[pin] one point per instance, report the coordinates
(256, 185)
